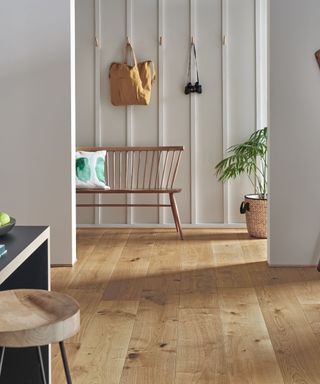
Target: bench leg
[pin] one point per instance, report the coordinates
(173, 211)
(175, 214)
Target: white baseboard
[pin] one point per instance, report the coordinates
(184, 226)
(271, 265)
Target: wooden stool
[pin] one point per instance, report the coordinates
(31, 318)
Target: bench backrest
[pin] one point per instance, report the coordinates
(140, 167)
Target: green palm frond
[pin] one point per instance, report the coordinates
(249, 157)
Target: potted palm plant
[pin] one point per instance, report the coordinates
(250, 158)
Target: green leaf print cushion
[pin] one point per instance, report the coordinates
(90, 169)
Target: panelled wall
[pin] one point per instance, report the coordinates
(224, 32)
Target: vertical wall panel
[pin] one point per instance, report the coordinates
(113, 35)
(176, 104)
(84, 13)
(113, 119)
(209, 111)
(145, 119)
(85, 71)
(241, 72)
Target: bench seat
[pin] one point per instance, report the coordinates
(142, 170)
(155, 190)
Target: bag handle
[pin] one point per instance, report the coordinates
(153, 72)
(129, 50)
(194, 52)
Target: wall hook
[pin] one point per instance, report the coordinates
(192, 40)
(128, 41)
(317, 55)
(224, 40)
(160, 40)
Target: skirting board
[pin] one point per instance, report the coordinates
(292, 266)
(62, 265)
(171, 226)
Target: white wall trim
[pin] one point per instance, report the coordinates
(171, 226)
(272, 265)
(258, 43)
(225, 102)
(73, 129)
(97, 95)
(161, 138)
(261, 11)
(129, 125)
(269, 127)
(193, 126)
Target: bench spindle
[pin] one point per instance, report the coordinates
(170, 169)
(150, 176)
(145, 169)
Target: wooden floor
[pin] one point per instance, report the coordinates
(157, 310)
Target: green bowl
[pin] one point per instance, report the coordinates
(4, 229)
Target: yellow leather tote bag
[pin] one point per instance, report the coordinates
(131, 85)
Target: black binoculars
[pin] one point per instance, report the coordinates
(189, 88)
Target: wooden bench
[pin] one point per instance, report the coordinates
(139, 170)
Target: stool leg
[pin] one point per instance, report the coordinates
(43, 374)
(65, 362)
(1, 358)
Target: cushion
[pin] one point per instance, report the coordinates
(90, 169)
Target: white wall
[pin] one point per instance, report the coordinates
(295, 133)
(172, 118)
(36, 161)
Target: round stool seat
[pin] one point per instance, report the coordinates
(30, 317)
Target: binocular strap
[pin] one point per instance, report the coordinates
(194, 52)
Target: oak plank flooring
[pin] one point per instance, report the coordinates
(249, 352)
(157, 310)
(201, 354)
(294, 342)
(198, 280)
(199, 326)
(308, 295)
(153, 344)
(230, 269)
(127, 279)
(102, 354)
